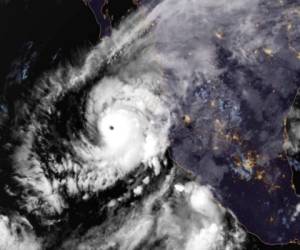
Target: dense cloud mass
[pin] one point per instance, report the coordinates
(92, 151)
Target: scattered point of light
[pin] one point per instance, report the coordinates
(219, 35)
(187, 120)
(213, 103)
(268, 51)
(260, 175)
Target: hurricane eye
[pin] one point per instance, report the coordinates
(118, 127)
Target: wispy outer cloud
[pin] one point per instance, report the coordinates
(190, 219)
(16, 235)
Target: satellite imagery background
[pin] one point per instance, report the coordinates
(154, 124)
